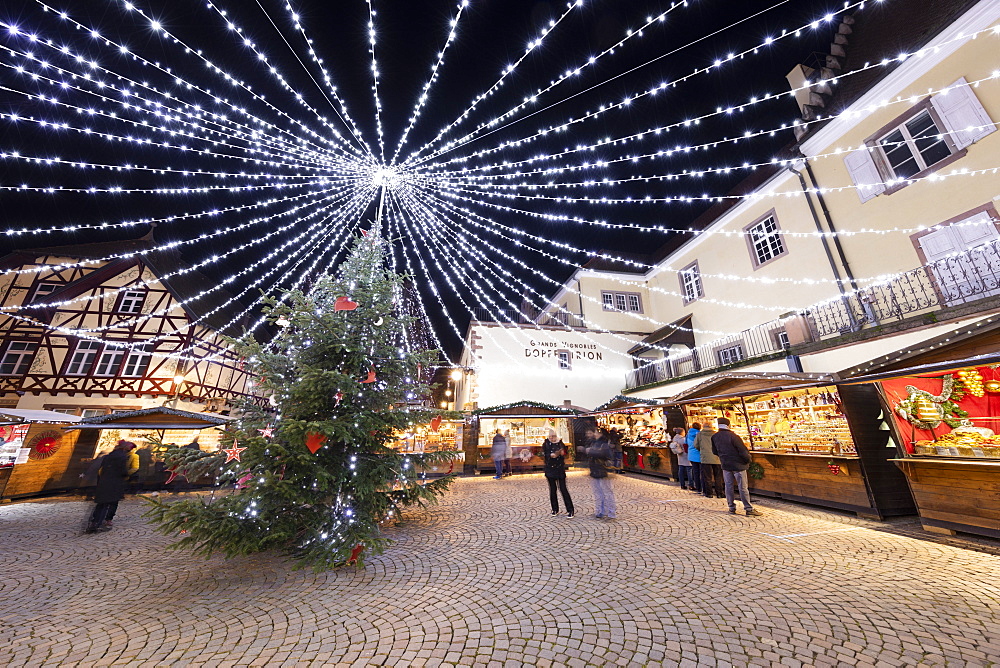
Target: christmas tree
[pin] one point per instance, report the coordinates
(312, 474)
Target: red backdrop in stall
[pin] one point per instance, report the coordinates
(983, 411)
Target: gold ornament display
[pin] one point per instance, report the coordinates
(973, 381)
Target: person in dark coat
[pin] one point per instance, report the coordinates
(600, 463)
(116, 467)
(498, 451)
(554, 455)
(735, 460)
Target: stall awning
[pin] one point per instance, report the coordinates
(529, 409)
(931, 368)
(729, 385)
(677, 332)
(158, 417)
(12, 415)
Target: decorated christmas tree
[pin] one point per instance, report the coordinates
(312, 473)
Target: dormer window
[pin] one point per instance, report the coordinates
(131, 301)
(43, 290)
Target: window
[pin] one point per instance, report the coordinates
(43, 290)
(914, 146)
(764, 240)
(690, 278)
(730, 354)
(137, 362)
(622, 301)
(781, 338)
(17, 359)
(93, 412)
(83, 358)
(565, 359)
(110, 361)
(131, 301)
(930, 135)
(64, 411)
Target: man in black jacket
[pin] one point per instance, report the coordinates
(735, 460)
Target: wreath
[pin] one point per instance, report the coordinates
(631, 457)
(653, 459)
(755, 471)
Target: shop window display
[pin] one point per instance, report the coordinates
(953, 414)
(526, 436)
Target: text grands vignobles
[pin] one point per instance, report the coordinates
(580, 351)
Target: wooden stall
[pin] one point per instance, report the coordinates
(812, 440)
(528, 424)
(639, 426)
(942, 400)
(435, 436)
(36, 455)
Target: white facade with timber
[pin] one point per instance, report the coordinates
(87, 336)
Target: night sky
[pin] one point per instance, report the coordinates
(489, 37)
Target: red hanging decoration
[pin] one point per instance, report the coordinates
(174, 472)
(233, 453)
(315, 441)
(344, 304)
(435, 423)
(371, 376)
(338, 396)
(641, 464)
(355, 553)
(241, 483)
(267, 432)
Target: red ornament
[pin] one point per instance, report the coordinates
(174, 472)
(315, 441)
(834, 468)
(233, 452)
(641, 465)
(435, 423)
(241, 483)
(355, 553)
(338, 396)
(371, 376)
(344, 304)
(364, 233)
(267, 432)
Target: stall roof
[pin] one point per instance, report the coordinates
(932, 367)
(735, 384)
(158, 417)
(529, 409)
(31, 415)
(620, 402)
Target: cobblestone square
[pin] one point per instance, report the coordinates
(489, 578)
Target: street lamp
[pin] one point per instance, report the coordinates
(455, 376)
(178, 382)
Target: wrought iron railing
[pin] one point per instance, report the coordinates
(517, 317)
(958, 279)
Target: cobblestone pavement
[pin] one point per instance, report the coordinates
(490, 578)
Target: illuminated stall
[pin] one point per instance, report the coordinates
(36, 455)
(528, 424)
(812, 440)
(438, 435)
(639, 426)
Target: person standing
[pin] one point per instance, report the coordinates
(498, 451)
(554, 455)
(508, 454)
(116, 467)
(600, 462)
(711, 471)
(678, 445)
(615, 440)
(735, 458)
(694, 457)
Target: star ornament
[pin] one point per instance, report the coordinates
(233, 453)
(267, 432)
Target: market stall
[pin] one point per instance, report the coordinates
(528, 424)
(639, 427)
(144, 427)
(812, 440)
(438, 435)
(36, 455)
(944, 399)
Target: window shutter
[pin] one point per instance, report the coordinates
(938, 244)
(864, 174)
(959, 109)
(976, 230)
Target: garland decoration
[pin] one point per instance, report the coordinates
(755, 471)
(926, 411)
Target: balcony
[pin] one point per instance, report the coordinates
(528, 317)
(955, 282)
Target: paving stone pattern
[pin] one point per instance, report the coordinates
(489, 578)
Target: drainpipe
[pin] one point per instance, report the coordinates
(869, 313)
(826, 245)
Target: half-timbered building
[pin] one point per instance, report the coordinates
(91, 329)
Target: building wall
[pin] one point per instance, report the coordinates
(510, 364)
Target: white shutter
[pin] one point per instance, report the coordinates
(864, 174)
(959, 110)
(976, 230)
(938, 244)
